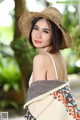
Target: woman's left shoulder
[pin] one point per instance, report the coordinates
(40, 57)
(39, 67)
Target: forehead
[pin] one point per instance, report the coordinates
(43, 22)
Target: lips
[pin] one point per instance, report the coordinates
(37, 41)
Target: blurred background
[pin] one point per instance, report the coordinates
(16, 54)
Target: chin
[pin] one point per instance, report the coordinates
(37, 46)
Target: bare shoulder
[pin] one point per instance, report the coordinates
(39, 67)
(40, 58)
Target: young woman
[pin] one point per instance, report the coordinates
(48, 93)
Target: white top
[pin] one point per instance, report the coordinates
(54, 66)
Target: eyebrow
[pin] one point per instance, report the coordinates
(43, 28)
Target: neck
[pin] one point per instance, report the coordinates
(46, 49)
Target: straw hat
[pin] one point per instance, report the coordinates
(51, 13)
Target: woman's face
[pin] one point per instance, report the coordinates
(41, 34)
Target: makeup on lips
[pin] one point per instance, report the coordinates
(38, 42)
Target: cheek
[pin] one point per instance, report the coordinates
(48, 38)
(34, 34)
(49, 41)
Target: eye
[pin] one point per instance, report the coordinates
(46, 31)
(35, 28)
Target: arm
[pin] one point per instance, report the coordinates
(39, 67)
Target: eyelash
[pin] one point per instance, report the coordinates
(35, 28)
(46, 31)
(43, 31)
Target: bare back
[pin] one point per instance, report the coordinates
(48, 66)
(56, 67)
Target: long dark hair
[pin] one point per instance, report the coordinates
(56, 35)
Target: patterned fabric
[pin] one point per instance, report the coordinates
(55, 98)
(29, 116)
(65, 96)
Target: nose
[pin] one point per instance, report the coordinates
(39, 35)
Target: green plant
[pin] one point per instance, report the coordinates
(9, 74)
(73, 69)
(6, 103)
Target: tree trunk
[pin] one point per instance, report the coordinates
(20, 47)
(79, 13)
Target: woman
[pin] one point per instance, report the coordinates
(48, 91)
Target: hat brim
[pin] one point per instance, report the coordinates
(25, 23)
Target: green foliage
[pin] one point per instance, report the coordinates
(9, 74)
(71, 23)
(71, 61)
(6, 33)
(76, 40)
(70, 19)
(73, 69)
(23, 46)
(6, 103)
